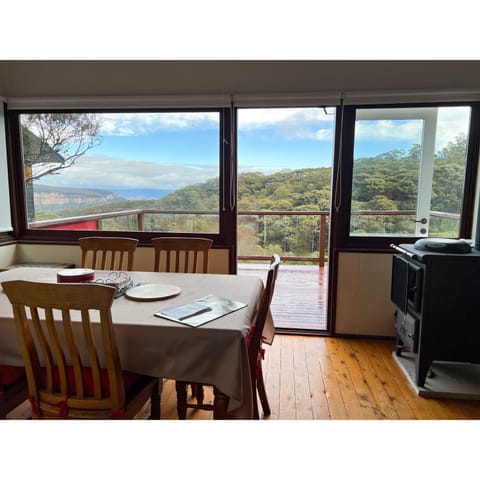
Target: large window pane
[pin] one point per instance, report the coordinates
(409, 171)
(145, 171)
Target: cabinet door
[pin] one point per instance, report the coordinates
(399, 290)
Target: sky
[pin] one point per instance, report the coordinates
(171, 150)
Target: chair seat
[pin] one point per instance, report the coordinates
(129, 380)
(11, 374)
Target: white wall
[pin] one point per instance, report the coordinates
(22, 253)
(7, 255)
(5, 220)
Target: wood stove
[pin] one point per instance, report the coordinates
(437, 299)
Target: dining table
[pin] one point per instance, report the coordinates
(214, 353)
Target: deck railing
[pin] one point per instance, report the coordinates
(94, 222)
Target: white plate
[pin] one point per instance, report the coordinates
(152, 291)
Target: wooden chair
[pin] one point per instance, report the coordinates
(13, 388)
(183, 255)
(61, 359)
(254, 340)
(108, 253)
(255, 351)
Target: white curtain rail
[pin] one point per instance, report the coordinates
(409, 96)
(178, 101)
(116, 102)
(246, 100)
(287, 99)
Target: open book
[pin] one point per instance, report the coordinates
(200, 311)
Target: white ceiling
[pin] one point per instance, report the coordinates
(90, 78)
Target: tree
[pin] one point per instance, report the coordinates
(455, 151)
(55, 141)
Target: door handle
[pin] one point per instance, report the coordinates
(423, 220)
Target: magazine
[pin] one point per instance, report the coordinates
(184, 311)
(201, 311)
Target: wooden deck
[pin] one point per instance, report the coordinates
(300, 298)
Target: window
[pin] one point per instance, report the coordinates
(408, 174)
(5, 221)
(140, 171)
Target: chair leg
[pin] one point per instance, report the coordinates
(181, 388)
(198, 392)
(255, 414)
(262, 393)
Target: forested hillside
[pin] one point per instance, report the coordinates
(389, 182)
(304, 189)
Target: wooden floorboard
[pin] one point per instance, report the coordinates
(322, 378)
(287, 409)
(303, 400)
(316, 384)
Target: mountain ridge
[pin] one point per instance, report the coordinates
(51, 198)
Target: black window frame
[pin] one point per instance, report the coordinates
(340, 238)
(343, 177)
(227, 209)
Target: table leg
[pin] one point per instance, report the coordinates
(181, 388)
(198, 392)
(220, 404)
(155, 405)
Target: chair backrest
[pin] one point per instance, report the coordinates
(108, 253)
(181, 254)
(62, 359)
(255, 339)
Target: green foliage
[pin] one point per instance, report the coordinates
(389, 182)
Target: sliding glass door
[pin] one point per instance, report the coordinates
(284, 180)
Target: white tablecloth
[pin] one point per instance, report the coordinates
(214, 353)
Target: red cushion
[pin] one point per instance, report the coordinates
(129, 379)
(10, 374)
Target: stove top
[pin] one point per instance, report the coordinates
(443, 245)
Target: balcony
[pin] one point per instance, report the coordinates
(300, 298)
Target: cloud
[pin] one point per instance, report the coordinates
(451, 122)
(126, 124)
(389, 130)
(101, 171)
(289, 123)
